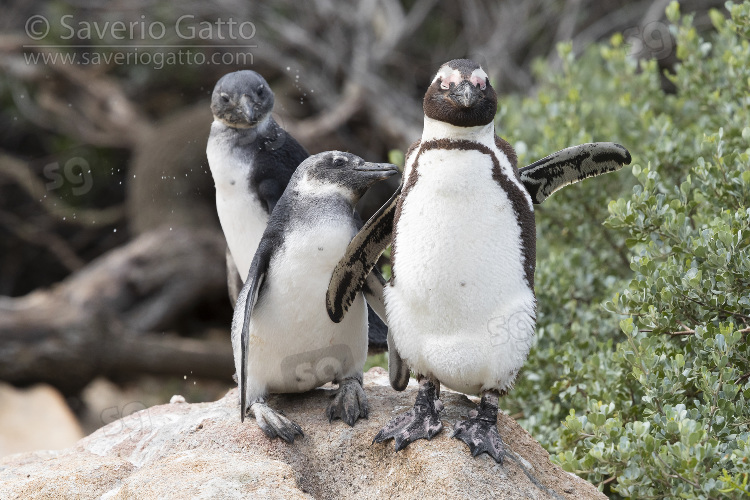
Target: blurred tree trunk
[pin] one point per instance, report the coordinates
(101, 319)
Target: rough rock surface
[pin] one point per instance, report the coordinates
(202, 450)
(35, 418)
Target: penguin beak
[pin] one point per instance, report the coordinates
(378, 171)
(465, 94)
(247, 109)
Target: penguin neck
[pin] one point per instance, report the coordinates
(436, 129)
(262, 128)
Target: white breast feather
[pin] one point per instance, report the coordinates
(243, 218)
(294, 346)
(459, 307)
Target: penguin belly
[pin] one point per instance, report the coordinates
(242, 216)
(459, 306)
(294, 346)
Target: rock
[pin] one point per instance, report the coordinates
(203, 451)
(34, 419)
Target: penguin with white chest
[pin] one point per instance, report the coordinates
(283, 340)
(461, 304)
(252, 159)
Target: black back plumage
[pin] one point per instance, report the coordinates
(243, 100)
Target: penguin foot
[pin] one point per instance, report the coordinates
(420, 422)
(275, 424)
(350, 402)
(479, 431)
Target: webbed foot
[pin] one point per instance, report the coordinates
(420, 422)
(479, 431)
(274, 424)
(350, 402)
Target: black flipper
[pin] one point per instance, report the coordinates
(234, 281)
(246, 301)
(398, 370)
(361, 256)
(277, 156)
(269, 192)
(570, 165)
(377, 332)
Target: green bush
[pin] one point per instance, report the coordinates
(639, 379)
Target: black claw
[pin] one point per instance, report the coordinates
(479, 431)
(421, 422)
(275, 424)
(349, 404)
(267, 430)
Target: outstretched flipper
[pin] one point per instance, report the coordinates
(246, 301)
(421, 422)
(350, 402)
(274, 424)
(570, 165)
(479, 431)
(362, 254)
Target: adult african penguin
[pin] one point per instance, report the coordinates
(283, 340)
(252, 159)
(460, 304)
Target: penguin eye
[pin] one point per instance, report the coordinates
(224, 98)
(452, 78)
(260, 91)
(339, 162)
(479, 82)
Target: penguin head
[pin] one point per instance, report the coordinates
(242, 99)
(461, 94)
(342, 173)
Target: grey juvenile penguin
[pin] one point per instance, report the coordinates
(460, 304)
(252, 159)
(283, 340)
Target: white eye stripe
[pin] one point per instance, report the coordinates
(448, 75)
(445, 73)
(479, 77)
(479, 73)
